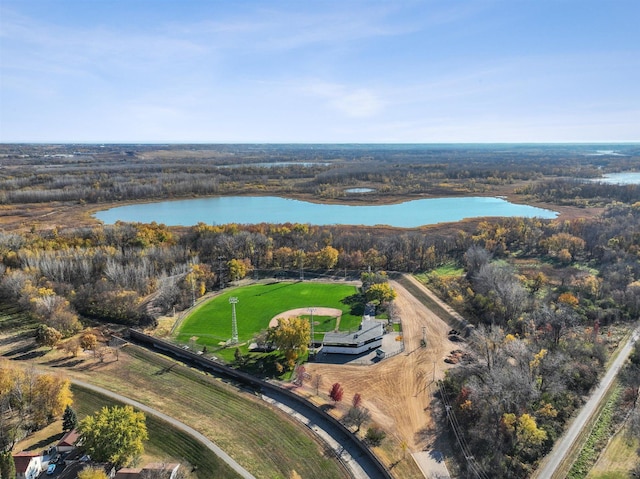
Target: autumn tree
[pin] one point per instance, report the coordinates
(88, 341)
(52, 394)
(475, 258)
(380, 293)
(114, 434)
(48, 336)
(356, 416)
(71, 346)
(357, 400)
(336, 392)
(327, 257)
(291, 336)
(527, 433)
(239, 268)
(92, 473)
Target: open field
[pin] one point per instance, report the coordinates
(618, 459)
(166, 444)
(258, 304)
(263, 440)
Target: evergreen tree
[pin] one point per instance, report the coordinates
(69, 419)
(7, 466)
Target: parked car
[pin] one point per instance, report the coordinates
(51, 469)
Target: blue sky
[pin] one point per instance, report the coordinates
(319, 71)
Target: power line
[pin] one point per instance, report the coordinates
(464, 446)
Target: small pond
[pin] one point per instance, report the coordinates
(359, 190)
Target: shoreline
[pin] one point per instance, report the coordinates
(27, 216)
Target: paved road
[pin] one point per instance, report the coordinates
(175, 423)
(349, 455)
(562, 447)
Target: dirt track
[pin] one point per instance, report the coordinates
(398, 390)
(318, 311)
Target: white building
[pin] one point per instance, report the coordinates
(366, 338)
(28, 464)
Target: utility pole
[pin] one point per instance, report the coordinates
(220, 279)
(234, 324)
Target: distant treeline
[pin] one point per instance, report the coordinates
(94, 174)
(580, 192)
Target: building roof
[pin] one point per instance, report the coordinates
(128, 473)
(160, 466)
(369, 330)
(23, 459)
(69, 439)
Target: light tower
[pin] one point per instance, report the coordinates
(234, 324)
(312, 310)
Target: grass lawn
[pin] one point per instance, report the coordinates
(165, 444)
(261, 439)
(258, 304)
(448, 269)
(617, 460)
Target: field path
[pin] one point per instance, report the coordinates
(174, 422)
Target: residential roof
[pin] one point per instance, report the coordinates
(69, 439)
(22, 460)
(128, 473)
(369, 330)
(160, 466)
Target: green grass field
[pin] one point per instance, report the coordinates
(257, 304)
(165, 442)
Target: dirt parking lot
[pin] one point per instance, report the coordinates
(397, 391)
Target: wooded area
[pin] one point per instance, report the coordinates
(544, 295)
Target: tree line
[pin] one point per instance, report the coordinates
(99, 174)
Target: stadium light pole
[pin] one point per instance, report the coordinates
(312, 310)
(234, 324)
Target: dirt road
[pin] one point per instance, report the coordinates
(398, 390)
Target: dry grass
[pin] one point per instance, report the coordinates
(262, 439)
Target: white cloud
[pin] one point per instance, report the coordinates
(352, 102)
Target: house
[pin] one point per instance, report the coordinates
(154, 469)
(68, 441)
(367, 337)
(28, 464)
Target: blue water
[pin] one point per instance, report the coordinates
(271, 209)
(627, 178)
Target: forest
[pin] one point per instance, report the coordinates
(543, 295)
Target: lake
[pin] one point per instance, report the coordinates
(625, 178)
(272, 209)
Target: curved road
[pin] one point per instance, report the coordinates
(175, 423)
(559, 452)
